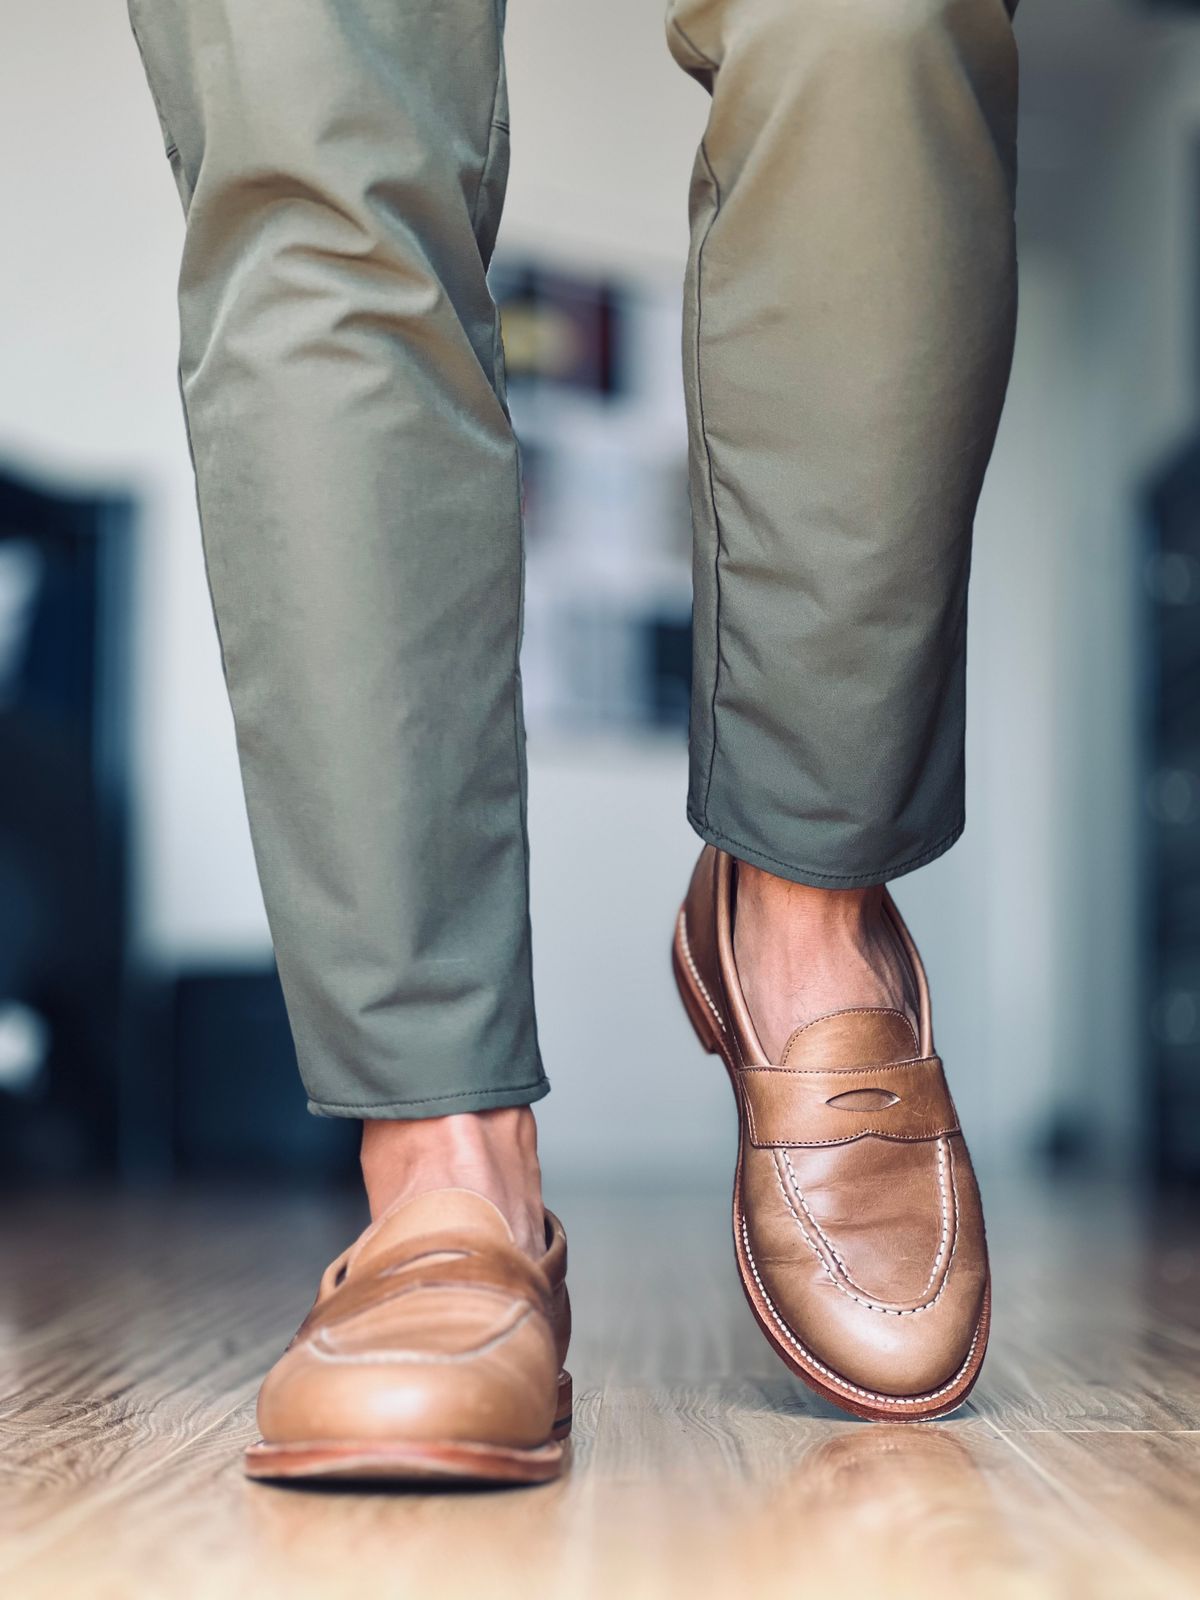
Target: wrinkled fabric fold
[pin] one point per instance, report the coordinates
(342, 165)
(849, 316)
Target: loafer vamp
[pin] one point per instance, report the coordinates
(384, 1383)
(859, 1231)
(433, 1328)
(871, 1256)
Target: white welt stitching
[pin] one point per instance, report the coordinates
(848, 1286)
(853, 1388)
(944, 1199)
(699, 981)
(821, 1234)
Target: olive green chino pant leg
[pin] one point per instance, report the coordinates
(341, 165)
(850, 306)
(850, 303)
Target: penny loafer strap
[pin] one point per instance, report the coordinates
(439, 1261)
(902, 1100)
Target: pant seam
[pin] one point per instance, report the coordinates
(694, 47)
(169, 141)
(712, 488)
(880, 876)
(499, 384)
(486, 163)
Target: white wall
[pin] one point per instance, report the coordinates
(1026, 924)
(604, 132)
(88, 331)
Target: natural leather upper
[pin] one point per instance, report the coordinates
(858, 1207)
(433, 1326)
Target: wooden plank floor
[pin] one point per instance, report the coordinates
(133, 1333)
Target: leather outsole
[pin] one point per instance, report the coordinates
(822, 1379)
(412, 1463)
(415, 1461)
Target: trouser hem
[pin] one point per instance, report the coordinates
(812, 876)
(443, 1105)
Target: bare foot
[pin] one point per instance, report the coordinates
(492, 1152)
(803, 952)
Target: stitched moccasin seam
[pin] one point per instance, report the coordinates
(946, 1222)
(845, 1283)
(833, 1377)
(855, 1011)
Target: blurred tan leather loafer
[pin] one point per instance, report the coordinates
(434, 1350)
(857, 1223)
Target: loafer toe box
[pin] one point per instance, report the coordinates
(495, 1381)
(881, 1305)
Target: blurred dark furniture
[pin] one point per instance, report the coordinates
(1171, 808)
(64, 596)
(558, 328)
(237, 1104)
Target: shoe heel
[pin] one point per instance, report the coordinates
(693, 1004)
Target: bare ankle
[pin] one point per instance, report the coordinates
(802, 952)
(801, 904)
(491, 1152)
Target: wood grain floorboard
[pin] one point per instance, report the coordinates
(133, 1333)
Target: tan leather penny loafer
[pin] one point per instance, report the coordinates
(856, 1216)
(434, 1351)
